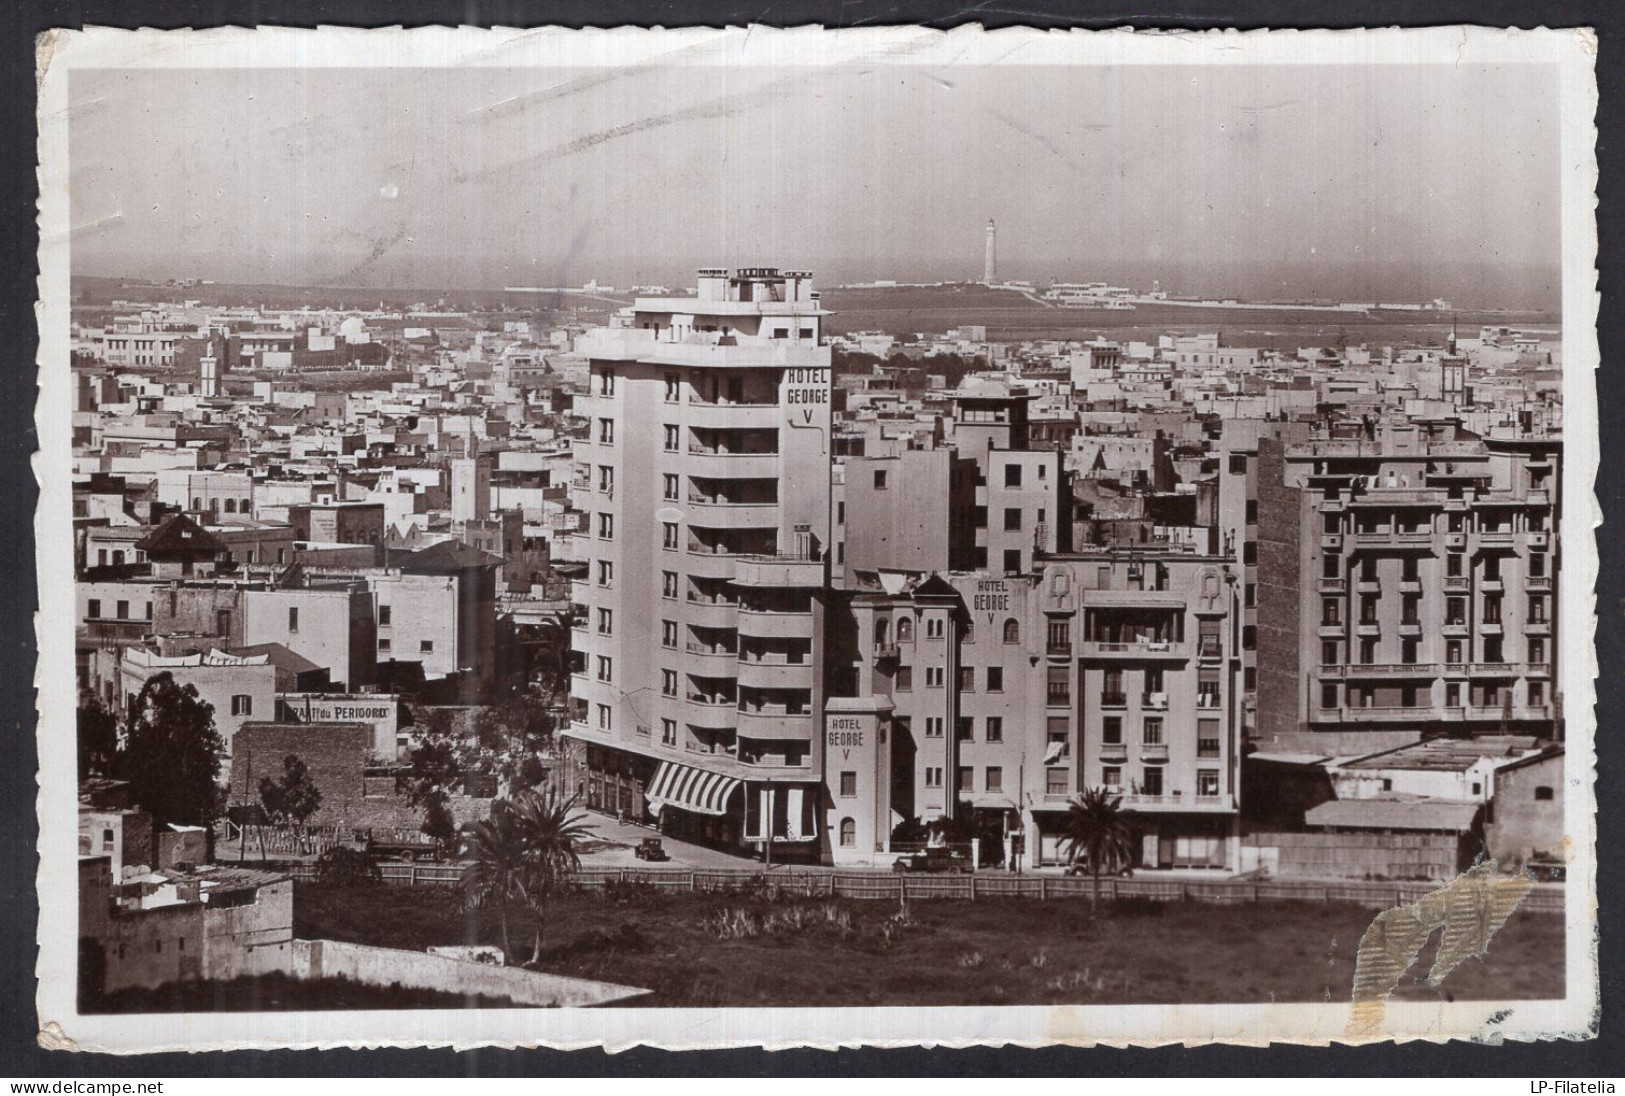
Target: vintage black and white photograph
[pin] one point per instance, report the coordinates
(1088, 535)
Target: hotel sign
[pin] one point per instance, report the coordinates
(845, 734)
(992, 595)
(806, 389)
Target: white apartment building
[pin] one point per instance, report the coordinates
(704, 481)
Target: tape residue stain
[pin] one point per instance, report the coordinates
(52, 1037)
(1470, 911)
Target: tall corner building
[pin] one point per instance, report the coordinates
(705, 478)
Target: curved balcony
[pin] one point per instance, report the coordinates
(775, 673)
(774, 722)
(709, 564)
(710, 614)
(721, 464)
(770, 625)
(732, 515)
(764, 570)
(716, 715)
(709, 661)
(733, 416)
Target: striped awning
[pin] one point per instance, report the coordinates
(690, 789)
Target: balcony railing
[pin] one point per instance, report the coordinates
(1154, 702)
(1394, 669)
(1145, 800)
(1113, 700)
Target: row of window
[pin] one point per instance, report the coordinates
(93, 610)
(1411, 567)
(1150, 783)
(231, 506)
(1486, 695)
(1333, 522)
(1152, 733)
(936, 628)
(1491, 649)
(1455, 613)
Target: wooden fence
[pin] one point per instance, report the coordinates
(1544, 898)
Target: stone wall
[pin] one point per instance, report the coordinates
(334, 753)
(308, 959)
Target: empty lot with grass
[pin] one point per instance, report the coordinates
(703, 950)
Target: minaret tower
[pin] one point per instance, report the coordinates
(990, 266)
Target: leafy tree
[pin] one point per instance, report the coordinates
(439, 825)
(171, 755)
(511, 738)
(1096, 831)
(434, 771)
(289, 800)
(550, 828)
(98, 738)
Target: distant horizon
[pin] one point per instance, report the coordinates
(1525, 288)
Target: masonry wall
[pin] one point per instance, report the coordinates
(231, 932)
(334, 753)
(153, 947)
(1281, 632)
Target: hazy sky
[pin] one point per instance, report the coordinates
(1216, 179)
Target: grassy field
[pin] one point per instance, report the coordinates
(703, 950)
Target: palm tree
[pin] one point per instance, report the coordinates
(549, 830)
(1097, 831)
(496, 869)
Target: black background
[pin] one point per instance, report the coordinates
(20, 1057)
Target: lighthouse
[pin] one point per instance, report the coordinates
(990, 266)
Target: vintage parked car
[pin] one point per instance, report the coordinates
(939, 858)
(409, 851)
(1547, 869)
(651, 848)
(1081, 867)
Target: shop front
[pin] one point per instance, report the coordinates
(785, 817)
(1166, 841)
(695, 804)
(616, 782)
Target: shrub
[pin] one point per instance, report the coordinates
(628, 892)
(341, 866)
(733, 923)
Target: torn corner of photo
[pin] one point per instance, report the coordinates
(1124, 578)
